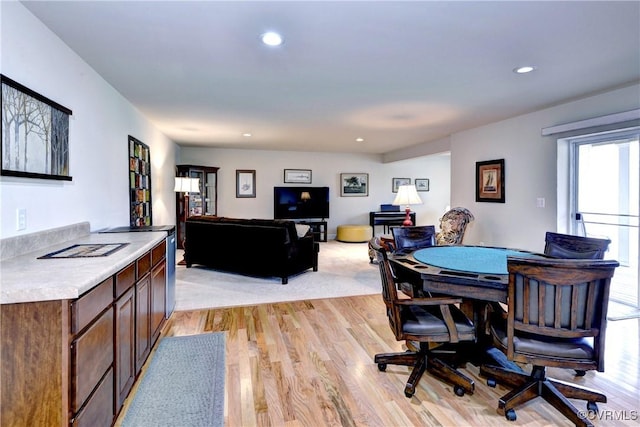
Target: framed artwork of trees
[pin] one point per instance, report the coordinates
(35, 134)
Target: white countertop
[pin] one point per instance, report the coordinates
(26, 278)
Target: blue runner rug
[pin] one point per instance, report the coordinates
(183, 385)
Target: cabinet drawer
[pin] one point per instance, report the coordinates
(125, 279)
(99, 409)
(89, 305)
(91, 357)
(158, 252)
(143, 265)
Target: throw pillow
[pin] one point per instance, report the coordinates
(302, 229)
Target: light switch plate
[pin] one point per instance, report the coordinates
(21, 219)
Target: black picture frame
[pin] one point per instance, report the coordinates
(42, 151)
(490, 182)
(354, 184)
(422, 184)
(245, 183)
(397, 182)
(297, 176)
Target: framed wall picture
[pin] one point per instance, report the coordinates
(354, 184)
(245, 183)
(35, 134)
(297, 176)
(397, 182)
(422, 184)
(490, 181)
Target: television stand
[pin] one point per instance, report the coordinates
(318, 228)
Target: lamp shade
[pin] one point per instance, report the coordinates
(187, 185)
(305, 195)
(407, 195)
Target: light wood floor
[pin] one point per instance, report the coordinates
(310, 363)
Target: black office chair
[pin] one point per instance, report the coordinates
(574, 247)
(557, 316)
(423, 321)
(408, 239)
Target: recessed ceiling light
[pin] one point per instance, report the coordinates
(359, 139)
(271, 39)
(524, 70)
(247, 134)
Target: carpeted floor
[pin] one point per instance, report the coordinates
(343, 270)
(183, 384)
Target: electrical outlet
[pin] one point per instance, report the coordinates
(21, 219)
(540, 202)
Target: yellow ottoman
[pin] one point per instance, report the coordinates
(354, 233)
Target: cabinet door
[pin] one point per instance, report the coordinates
(125, 345)
(158, 298)
(143, 320)
(91, 358)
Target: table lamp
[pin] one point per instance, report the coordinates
(185, 185)
(407, 195)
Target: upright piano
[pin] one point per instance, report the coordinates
(388, 219)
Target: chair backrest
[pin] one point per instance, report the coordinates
(389, 291)
(412, 238)
(576, 247)
(558, 298)
(452, 226)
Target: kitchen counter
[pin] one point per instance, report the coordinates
(26, 278)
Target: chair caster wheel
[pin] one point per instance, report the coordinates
(592, 407)
(580, 373)
(459, 391)
(491, 382)
(409, 391)
(510, 415)
(382, 367)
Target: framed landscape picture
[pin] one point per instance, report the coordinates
(354, 184)
(422, 184)
(35, 134)
(490, 181)
(397, 182)
(297, 176)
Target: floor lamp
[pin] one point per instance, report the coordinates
(185, 185)
(407, 195)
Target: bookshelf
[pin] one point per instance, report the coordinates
(139, 183)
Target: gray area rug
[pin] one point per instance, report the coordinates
(183, 385)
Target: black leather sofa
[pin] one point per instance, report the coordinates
(254, 247)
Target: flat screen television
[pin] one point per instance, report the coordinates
(300, 202)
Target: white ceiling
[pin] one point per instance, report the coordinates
(394, 73)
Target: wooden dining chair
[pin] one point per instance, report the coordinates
(574, 247)
(557, 317)
(423, 321)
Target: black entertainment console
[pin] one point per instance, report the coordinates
(318, 228)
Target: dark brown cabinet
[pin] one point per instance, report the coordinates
(203, 203)
(125, 309)
(74, 362)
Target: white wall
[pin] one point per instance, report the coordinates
(530, 169)
(35, 57)
(326, 169)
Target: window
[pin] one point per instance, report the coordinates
(604, 201)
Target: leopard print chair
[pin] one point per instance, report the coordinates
(452, 226)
